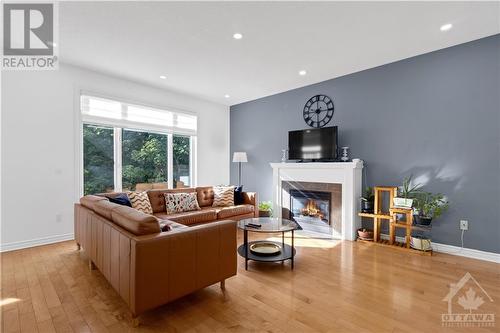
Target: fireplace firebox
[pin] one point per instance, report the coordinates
(312, 207)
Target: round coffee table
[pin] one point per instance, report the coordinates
(268, 225)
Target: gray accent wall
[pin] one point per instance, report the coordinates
(435, 116)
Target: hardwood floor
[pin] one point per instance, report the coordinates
(335, 287)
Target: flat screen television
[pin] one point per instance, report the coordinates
(315, 144)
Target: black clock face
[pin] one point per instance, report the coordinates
(318, 111)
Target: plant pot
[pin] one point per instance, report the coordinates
(422, 220)
(421, 243)
(264, 213)
(402, 202)
(365, 234)
(366, 206)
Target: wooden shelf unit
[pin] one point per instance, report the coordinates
(379, 215)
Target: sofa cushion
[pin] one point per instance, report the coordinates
(223, 196)
(170, 225)
(104, 208)
(205, 196)
(140, 201)
(180, 202)
(188, 218)
(157, 197)
(135, 221)
(90, 200)
(226, 212)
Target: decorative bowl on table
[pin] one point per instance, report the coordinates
(265, 249)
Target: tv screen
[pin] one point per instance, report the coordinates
(313, 144)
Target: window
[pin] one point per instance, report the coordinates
(182, 154)
(144, 158)
(125, 145)
(98, 162)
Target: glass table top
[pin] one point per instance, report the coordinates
(269, 224)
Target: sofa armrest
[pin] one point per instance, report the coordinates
(251, 198)
(169, 265)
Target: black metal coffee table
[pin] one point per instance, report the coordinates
(268, 225)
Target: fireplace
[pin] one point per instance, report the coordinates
(311, 207)
(341, 179)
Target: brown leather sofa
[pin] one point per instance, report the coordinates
(148, 267)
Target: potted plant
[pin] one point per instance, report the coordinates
(406, 193)
(429, 206)
(365, 234)
(265, 209)
(367, 200)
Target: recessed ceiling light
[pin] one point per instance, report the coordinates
(237, 36)
(302, 72)
(446, 27)
(163, 77)
(226, 96)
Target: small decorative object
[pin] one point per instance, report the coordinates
(265, 209)
(284, 155)
(429, 206)
(365, 234)
(318, 111)
(406, 193)
(345, 154)
(265, 248)
(240, 157)
(367, 200)
(421, 243)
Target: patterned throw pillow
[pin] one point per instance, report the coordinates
(181, 202)
(140, 201)
(223, 196)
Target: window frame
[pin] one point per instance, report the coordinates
(118, 128)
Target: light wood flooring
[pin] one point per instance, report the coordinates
(335, 287)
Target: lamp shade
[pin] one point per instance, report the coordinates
(240, 156)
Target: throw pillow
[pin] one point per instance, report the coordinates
(223, 196)
(140, 201)
(238, 195)
(181, 202)
(121, 199)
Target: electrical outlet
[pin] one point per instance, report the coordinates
(58, 218)
(464, 225)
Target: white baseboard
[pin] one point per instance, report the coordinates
(35, 242)
(458, 251)
(466, 252)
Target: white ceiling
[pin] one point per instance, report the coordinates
(191, 43)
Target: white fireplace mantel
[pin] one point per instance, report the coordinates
(348, 174)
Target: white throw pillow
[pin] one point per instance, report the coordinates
(181, 202)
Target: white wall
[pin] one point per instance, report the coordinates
(39, 167)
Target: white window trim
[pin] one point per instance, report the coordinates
(78, 129)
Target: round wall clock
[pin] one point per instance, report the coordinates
(318, 111)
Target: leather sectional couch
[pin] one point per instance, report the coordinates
(148, 267)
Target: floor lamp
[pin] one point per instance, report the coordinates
(239, 157)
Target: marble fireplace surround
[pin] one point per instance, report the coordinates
(346, 174)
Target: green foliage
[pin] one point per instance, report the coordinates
(98, 164)
(144, 158)
(266, 206)
(368, 194)
(430, 205)
(408, 190)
